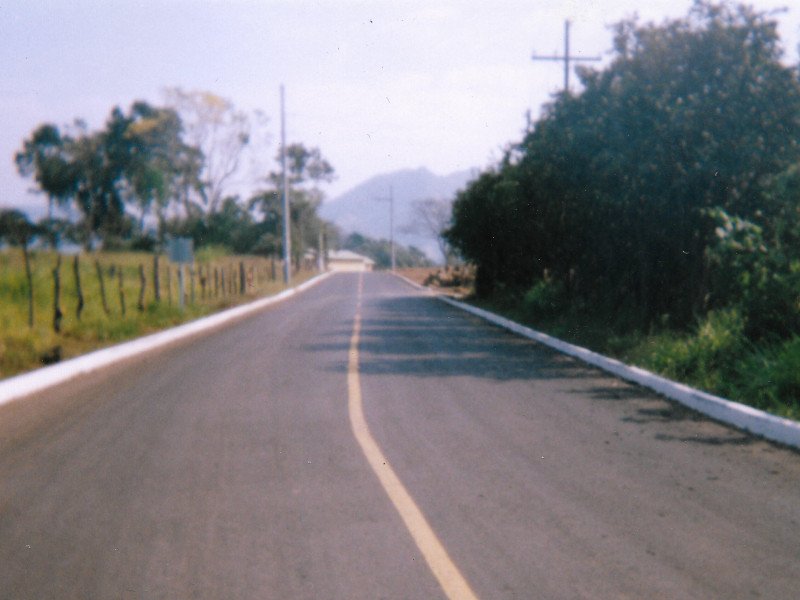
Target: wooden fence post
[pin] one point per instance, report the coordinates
(29, 277)
(57, 314)
(169, 286)
(121, 290)
(142, 285)
(156, 282)
(76, 268)
(103, 298)
(203, 281)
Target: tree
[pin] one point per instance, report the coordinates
(381, 252)
(269, 205)
(220, 132)
(43, 156)
(161, 167)
(137, 160)
(306, 169)
(307, 165)
(17, 230)
(99, 161)
(612, 193)
(431, 217)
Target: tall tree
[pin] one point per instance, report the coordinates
(17, 230)
(99, 160)
(614, 191)
(221, 132)
(137, 160)
(161, 166)
(431, 217)
(307, 170)
(44, 157)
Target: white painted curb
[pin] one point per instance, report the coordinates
(739, 415)
(19, 386)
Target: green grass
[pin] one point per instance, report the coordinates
(23, 348)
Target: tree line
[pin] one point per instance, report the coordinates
(667, 188)
(156, 171)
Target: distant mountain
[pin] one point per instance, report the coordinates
(365, 208)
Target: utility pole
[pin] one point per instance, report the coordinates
(287, 235)
(391, 225)
(567, 58)
(321, 249)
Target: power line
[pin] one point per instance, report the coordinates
(567, 57)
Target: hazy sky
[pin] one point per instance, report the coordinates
(377, 86)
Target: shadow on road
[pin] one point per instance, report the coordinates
(670, 411)
(739, 440)
(415, 336)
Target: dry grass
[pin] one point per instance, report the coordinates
(454, 281)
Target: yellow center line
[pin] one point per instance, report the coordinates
(440, 563)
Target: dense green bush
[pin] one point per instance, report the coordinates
(544, 299)
(655, 215)
(769, 378)
(706, 356)
(619, 193)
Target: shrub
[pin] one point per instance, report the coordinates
(544, 299)
(706, 357)
(786, 374)
(770, 379)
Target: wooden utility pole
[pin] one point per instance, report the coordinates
(287, 235)
(391, 225)
(567, 57)
(321, 249)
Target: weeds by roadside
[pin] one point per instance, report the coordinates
(120, 298)
(715, 355)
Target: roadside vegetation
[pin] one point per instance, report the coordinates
(88, 316)
(121, 194)
(714, 354)
(381, 252)
(655, 214)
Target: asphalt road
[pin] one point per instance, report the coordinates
(229, 467)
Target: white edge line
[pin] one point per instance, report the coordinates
(31, 382)
(739, 415)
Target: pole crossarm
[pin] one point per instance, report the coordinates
(567, 57)
(571, 58)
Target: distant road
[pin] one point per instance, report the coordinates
(236, 466)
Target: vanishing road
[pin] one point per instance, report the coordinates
(364, 440)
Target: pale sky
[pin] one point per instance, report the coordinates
(378, 86)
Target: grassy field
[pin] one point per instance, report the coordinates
(214, 282)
